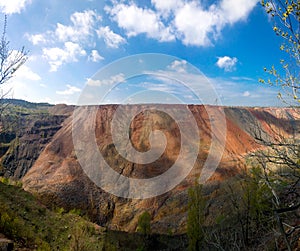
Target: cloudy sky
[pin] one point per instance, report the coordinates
(229, 41)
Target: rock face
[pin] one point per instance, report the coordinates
(57, 177)
(25, 138)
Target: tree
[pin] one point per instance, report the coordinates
(250, 207)
(196, 217)
(144, 223)
(10, 60)
(280, 165)
(286, 24)
(280, 158)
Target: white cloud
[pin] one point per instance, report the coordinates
(24, 85)
(246, 94)
(95, 56)
(227, 63)
(179, 66)
(116, 79)
(166, 6)
(241, 78)
(161, 87)
(235, 10)
(24, 72)
(111, 39)
(81, 28)
(57, 56)
(36, 39)
(192, 22)
(69, 91)
(67, 42)
(12, 57)
(13, 6)
(135, 21)
(84, 29)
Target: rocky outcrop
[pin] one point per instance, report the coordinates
(23, 141)
(57, 177)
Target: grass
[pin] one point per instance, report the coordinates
(30, 224)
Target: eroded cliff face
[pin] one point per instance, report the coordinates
(57, 177)
(24, 141)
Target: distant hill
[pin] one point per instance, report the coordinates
(23, 103)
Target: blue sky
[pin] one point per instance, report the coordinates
(229, 41)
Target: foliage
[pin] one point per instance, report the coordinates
(280, 171)
(30, 224)
(144, 223)
(250, 205)
(279, 160)
(196, 211)
(243, 219)
(79, 239)
(9, 181)
(286, 24)
(76, 211)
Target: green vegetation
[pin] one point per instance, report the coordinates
(286, 23)
(258, 209)
(144, 223)
(240, 215)
(196, 216)
(30, 224)
(21, 107)
(279, 161)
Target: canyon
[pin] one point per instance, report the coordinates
(42, 155)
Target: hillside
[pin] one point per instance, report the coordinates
(26, 128)
(56, 176)
(33, 226)
(30, 224)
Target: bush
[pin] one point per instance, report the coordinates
(144, 225)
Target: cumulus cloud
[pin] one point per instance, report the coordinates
(24, 72)
(95, 56)
(167, 6)
(194, 24)
(246, 94)
(13, 6)
(111, 39)
(191, 22)
(81, 28)
(72, 40)
(235, 10)
(116, 79)
(227, 63)
(135, 20)
(58, 56)
(178, 65)
(69, 91)
(36, 39)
